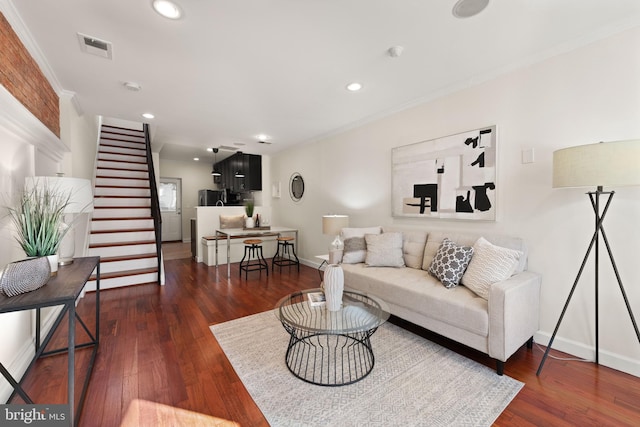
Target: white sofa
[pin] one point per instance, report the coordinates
(498, 325)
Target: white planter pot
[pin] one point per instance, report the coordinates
(249, 223)
(53, 263)
(333, 286)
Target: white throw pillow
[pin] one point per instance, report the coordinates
(355, 247)
(490, 264)
(384, 250)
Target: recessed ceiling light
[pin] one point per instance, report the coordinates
(133, 86)
(468, 8)
(197, 159)
(167, 9)
(354, 87)
(148, 116)
(263, 137)
(210, 150)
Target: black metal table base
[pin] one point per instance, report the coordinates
(330, 359)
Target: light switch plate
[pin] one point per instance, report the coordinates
(528, 156)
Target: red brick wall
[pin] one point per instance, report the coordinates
(22, 77)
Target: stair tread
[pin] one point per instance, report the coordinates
(107, 196)
(120, 128)
(128, 257)
(109, 144)
(121, 207)
(120, 186)
(120, 154)
(128, 218)
(122, 169)
(115, 244)
(121, 177)
(124, 273)
(122, 230)
(123, 161)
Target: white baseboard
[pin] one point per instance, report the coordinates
(577, 349)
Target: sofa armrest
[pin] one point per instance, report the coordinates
(514, 309)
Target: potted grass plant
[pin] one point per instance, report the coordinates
(248, 209)
(38, 217)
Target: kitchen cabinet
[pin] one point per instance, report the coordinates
(250, 165)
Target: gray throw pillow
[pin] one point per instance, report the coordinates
(384, 250)
(450, 262)
(355, 250)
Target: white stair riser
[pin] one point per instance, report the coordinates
(123, 250)
(121, 224)
(110, 201)
(132, 141)
(130, 264)
(123, 150)
(122, 213)
(118, 282)
(121, 158)
(124, 182)
(130, 236)
(120, 165)
(122, 174)
(118, 191)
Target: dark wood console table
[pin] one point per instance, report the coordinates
(61, 290)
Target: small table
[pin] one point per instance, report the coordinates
(248, 232)
(61, 290)
(331, 348)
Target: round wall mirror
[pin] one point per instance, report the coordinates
(296, 187)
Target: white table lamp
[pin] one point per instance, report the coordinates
(332, 225)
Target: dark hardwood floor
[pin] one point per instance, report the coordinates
(155, 345)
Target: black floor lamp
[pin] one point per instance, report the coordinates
(610, 164)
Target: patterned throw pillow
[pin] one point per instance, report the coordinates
(450, 262)
(490, 264)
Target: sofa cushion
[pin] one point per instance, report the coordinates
(413, 247)
(490, 264)
(416, 290)
(450, 262)
(231, 221)
(468, 239)
(355, 247)
(384, 250)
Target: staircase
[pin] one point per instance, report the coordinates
(122, 228)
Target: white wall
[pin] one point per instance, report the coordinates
(195, 176)
(588, 95)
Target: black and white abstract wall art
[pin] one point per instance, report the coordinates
(450, 177)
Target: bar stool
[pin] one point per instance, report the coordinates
(255, 259)
(284, 258)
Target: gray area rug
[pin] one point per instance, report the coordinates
(414, 382)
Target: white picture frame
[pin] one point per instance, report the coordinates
(453, 177)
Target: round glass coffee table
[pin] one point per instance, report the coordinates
(330, 348)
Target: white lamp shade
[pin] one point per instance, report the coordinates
(332, 224)
(606, 164)
(79, 190)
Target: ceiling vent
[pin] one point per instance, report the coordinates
(95, 46)
(227, 148)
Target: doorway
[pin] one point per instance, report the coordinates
(170, 195)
